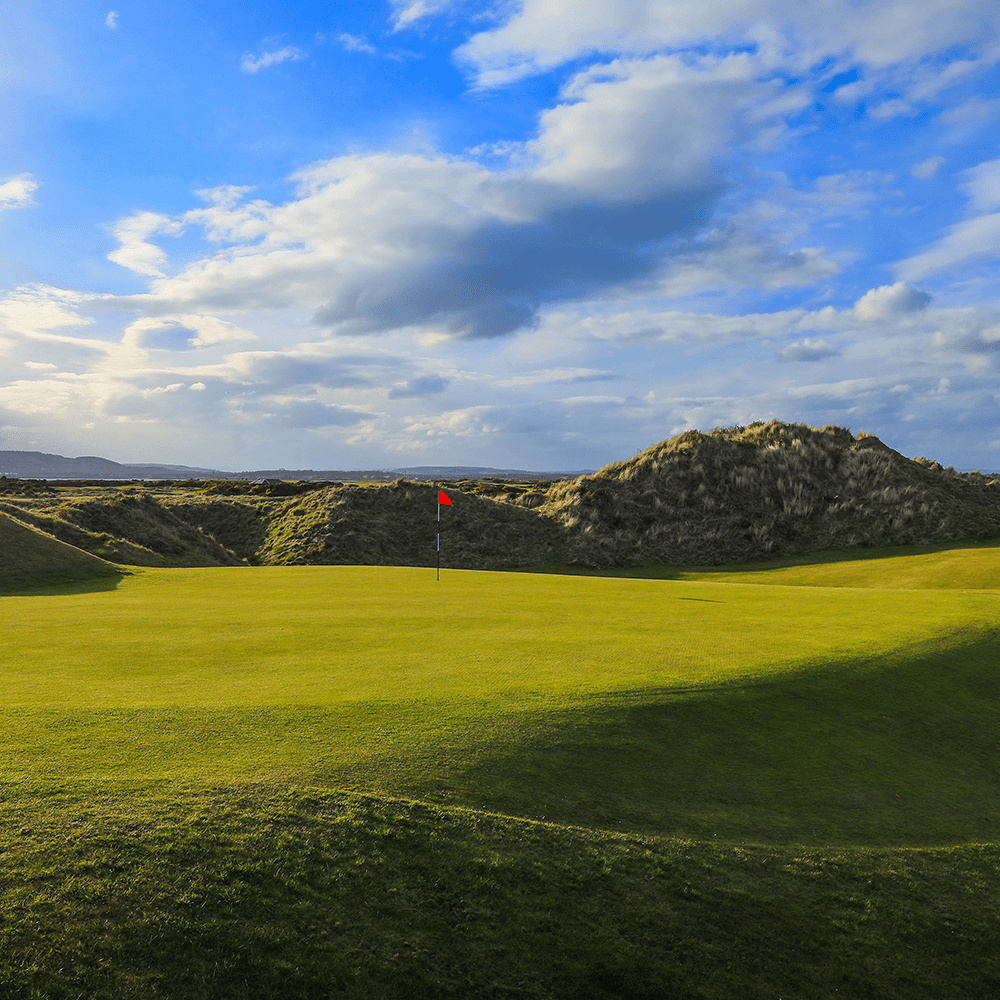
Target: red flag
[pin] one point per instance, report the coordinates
(443, 498)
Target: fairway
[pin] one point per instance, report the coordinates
(323, 636)
(230, 782)
(624, 700)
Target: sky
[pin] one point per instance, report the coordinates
(542, 234)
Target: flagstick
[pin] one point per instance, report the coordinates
(439, 543)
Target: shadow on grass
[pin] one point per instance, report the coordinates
(61, 585)
(900, 753)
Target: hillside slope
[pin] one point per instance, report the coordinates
(30, 558)
(395, 524)
(133, 531)
(730, 495)
(752, 492)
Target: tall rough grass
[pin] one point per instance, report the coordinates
(742, 493)
(729, 495)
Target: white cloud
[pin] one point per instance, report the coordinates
(253, 64)
(184, 330)
(136, 252)
(809, 349)
(17, 192)
(972, 240)
(356, 43)
(32, 310)
(926, 169)
(890, 300)
(888, 110)
(982, 185)
(541, 34)
(973, 111)
(621, 177)
(966, 243)
(409, 12)
(111, 21)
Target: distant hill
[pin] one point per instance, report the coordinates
(479, 472)
(39, 465)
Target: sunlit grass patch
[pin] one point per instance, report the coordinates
(780, 714)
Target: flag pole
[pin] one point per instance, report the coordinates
(442, 498)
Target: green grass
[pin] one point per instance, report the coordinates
(354, 781)
(952, 566)
(31, 559)
(239, 893)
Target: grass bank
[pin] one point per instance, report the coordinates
(249, 892)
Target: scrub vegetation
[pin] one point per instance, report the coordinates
(731, 495)
(615, 776)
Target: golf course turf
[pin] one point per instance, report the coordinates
(355, 781)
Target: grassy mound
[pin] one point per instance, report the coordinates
(751, 492)
(31, 558)
(395, 524)
(260, 893)
(130, 530)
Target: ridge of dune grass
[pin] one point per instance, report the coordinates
(31, 558)
(730, 495)
(767, 489)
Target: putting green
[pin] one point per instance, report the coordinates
(330, 635)
(796, 714)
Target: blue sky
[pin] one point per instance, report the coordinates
(541, 235)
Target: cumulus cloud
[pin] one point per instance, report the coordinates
(136, 252)
(541, 34)
(889, 301)
(621, 176)
(809, 349)
(111, 21)
(17, 192)
(253, 64)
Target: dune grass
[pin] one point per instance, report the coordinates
(30, 559)
(353, 781)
